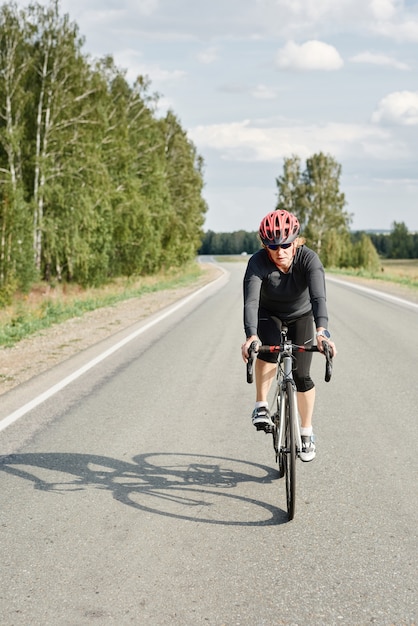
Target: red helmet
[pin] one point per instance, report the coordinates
(279, 227)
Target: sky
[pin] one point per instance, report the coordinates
(253, 82)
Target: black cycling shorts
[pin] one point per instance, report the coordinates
(300, 332)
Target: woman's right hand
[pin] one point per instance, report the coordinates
(245, 346)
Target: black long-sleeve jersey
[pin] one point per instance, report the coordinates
(287, 296)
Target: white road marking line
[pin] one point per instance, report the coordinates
(13, 417)
(374, 292)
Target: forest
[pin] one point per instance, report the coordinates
(93, 184)
(398, 244)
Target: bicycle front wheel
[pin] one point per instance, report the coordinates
(290, 450)
(276, 433)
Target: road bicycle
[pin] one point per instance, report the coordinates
(287, 440)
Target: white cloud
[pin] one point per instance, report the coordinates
(262, 92)
(157, 73)
(108, 10)
(393, 19)
(209, 55)
(132, 61)
(401, 30)
(146, 7)
(297, 18)
(312, 55)
(411, 184)
(188, 20)
(371, 58)
(384, 9)
(244, 141)
(399, 108)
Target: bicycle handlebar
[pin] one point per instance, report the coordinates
(256, 348)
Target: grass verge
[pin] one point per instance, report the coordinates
(45, 306)
(401, 272)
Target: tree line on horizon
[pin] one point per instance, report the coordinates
(399, 243)
(93, 185)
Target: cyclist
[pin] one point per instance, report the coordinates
(285, 283)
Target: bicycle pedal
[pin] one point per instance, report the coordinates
(267, 428)
(262, 426)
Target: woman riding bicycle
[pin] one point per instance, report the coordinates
(285, 283)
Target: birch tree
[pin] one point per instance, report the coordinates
(322, 199)
(185, 183)
(291, 190)
(57, 65)
(15, 66)
(127, 147)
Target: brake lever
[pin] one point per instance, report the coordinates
(251, 351)
(328, 360)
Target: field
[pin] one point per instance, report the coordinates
(402, 270)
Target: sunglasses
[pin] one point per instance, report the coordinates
(285, 246)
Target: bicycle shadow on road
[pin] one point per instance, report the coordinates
(201, 488)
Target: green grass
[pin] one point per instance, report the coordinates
(38, 311)
(232, 258)
(399, 271)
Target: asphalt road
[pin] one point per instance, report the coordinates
(140, 493)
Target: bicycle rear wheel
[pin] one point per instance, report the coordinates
(289, 455)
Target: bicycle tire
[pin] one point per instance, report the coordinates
(290, 451)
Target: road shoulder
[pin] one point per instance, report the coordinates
(50, 347)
